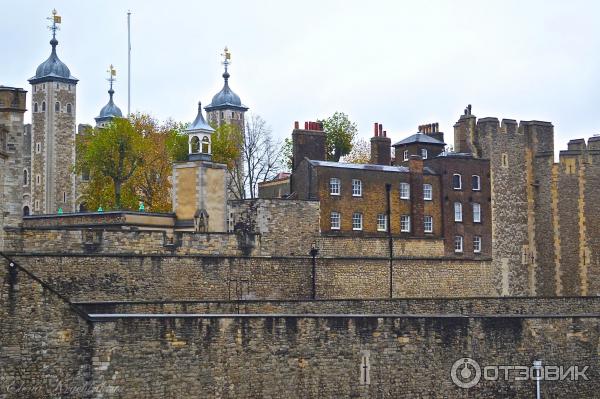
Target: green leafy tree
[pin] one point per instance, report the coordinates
(227, 142)
(340, 133)
(288, 155)
(113, 153)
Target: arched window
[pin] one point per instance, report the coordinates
(57, 107)
(195, 145)
(25, 177)
(25, 210)
(69, 109)
(35, 107)
(43, 106)
(205, 145)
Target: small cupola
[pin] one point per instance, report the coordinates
(199, 138)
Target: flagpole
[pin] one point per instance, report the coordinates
(128, 62)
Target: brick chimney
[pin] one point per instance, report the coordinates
(417, 203)
(308, 143)
(381, 153)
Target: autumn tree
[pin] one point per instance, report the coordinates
(130, 161)
(340, 134)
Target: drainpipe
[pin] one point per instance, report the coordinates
(388, 190)
(537, 366)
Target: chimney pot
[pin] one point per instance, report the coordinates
(305, 125)
(296, 125)
(385, 133)
(380, 129)
(375, 128)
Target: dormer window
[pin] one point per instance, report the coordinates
(205, 145)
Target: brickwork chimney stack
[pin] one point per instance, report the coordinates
(308, 143)
(381, 153)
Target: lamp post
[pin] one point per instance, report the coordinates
(313, 252)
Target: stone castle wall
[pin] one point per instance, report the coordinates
(308, 355)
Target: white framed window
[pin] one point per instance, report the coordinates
(334, 186)
(475, 183)
(38, 148)
(428, 223)
(477, 244)
(458, 244)
(381, 222)
(335, 220)
(458, 212)
(457, 181)
(404, 191)
(476, 212)
(424, 153)
(357, 221)
(427, 192)
(405, 223)
(406, 155)
(356, 188)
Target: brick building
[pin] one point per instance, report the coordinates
(445, 195)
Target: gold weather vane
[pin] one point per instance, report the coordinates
(56, 19)
(226, 57)
(112, 72)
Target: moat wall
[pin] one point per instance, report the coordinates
(50, 343)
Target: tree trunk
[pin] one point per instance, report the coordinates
(118, 194)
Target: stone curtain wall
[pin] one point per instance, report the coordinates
(45, 347)
(222, 278)
(321, 357)
(51, 351)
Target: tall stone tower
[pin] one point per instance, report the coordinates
(226, 106)
(12, 108)
(53, 133)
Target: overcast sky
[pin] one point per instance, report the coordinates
(400, 63)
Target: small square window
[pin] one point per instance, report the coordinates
(404, 191)
(457, 181)
(357, 221)
(458, 212)
(356, 188)
(477, 244)
(335, 220)
(405, 223)
(424, 153)
(475, 183)
(476, 213)
(428, 224)
(458, 244)
(334, 186)
(381, 222)
(427, 192)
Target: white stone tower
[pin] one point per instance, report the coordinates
(53, 133)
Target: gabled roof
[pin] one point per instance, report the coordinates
(419, 138)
